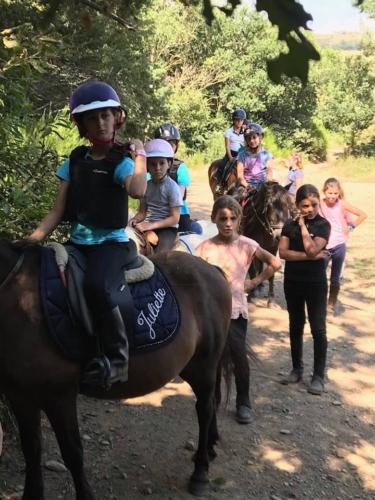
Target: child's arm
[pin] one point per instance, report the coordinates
(227, 147)
(273, 264)
(240, 174)
(183, 178)
(294, 255)
(170, 221)
(269, 170)
(54, 216)
(140, 215)
(136, 184)
(313, 246)
(360, 215)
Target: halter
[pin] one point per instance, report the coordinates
(267, 226)
(13, 271)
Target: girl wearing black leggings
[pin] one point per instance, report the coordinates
(302, 245)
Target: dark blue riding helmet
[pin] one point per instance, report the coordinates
(93, 95)
(239, 114)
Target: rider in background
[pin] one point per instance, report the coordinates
(295, 174)
(233, 136)
(234, 140)
(338, 212)
(179, 172)
(234, 253)
(96, 181)
(159, 210)
(254, 165)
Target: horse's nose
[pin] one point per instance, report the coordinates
(277, 233)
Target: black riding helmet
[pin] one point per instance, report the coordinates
(168, 132)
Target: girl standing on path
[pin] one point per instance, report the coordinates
(302, 245)
(336, 209)
(233, 254)
(295, 174)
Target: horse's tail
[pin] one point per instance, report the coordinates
(225, 371)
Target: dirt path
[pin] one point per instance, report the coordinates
(299, 446)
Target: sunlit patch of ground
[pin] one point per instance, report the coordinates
(280, 459)
(156, 398)
(361, 459)
(357, 384)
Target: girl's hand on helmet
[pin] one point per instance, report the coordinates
(136, 146)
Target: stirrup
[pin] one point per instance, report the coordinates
(97, 372)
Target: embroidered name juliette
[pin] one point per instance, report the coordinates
(153, 309)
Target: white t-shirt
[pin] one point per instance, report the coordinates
(235, 140)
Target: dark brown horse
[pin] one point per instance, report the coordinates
(229, 180)
(35, 377)
(264, 212)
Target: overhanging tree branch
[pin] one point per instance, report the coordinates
(105, 12)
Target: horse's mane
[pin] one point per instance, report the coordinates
(278, 193)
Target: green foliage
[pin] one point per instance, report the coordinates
(168, 64)
(368, 6)
(347, 103)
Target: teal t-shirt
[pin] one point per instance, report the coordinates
(89, 235)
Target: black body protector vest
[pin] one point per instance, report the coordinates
(94, 199)
(172, 172)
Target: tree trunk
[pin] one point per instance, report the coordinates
(1, 439)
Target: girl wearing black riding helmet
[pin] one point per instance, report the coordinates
(179, 172)
(254, 165)
(96, 181)
(233, 136)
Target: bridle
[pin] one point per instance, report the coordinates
(262, 217)
(13, 271)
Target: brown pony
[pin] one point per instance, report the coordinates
(35, 377)
(265, 210)
(230, 178)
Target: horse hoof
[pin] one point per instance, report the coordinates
(257, 301)
(211, 454)
(271, 304)
(198, 487)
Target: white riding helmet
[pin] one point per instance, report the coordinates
(159, 148)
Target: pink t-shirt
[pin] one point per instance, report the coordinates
(234, 259)
(339, 225)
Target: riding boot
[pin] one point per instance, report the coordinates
(112, 366)
(333, 295)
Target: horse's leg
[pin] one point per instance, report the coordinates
(204, 389)
(271, 295)
(256, 268)
(28, 420)
(61, 410)
(213, 437)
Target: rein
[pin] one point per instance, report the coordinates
(13, 271)
(266, 225)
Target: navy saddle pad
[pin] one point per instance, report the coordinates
(156, 322)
